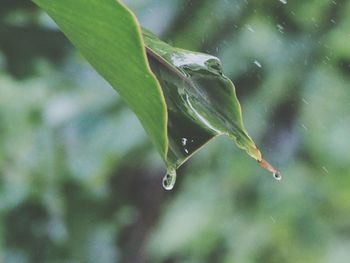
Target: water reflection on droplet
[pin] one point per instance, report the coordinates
(169, 179)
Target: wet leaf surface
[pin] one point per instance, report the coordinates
(201, 101)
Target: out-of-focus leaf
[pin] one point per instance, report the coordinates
(201, 101)
(108, 36)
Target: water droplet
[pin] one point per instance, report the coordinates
(305, 101)
(280, 28)
(169, 179)
(257, 63)
(283, 1)
(277, 175)
(184, 141)
(249, 27)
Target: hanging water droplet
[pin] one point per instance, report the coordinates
(169, 179)
(277, 175)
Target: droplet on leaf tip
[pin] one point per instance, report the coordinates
(169, 179)
(276, 174)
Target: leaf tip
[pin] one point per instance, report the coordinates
(266, 165)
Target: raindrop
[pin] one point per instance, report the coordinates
(169, 179)
(257, 63)
(305, 101)
(325, 169)
(184, 141)
(250, 28)
(280, 28)
(283, 1)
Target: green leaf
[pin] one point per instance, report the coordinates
(201, 101)
(109, 37)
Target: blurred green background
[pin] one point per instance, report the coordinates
(80, 181)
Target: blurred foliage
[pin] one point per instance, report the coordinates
(80, 182)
